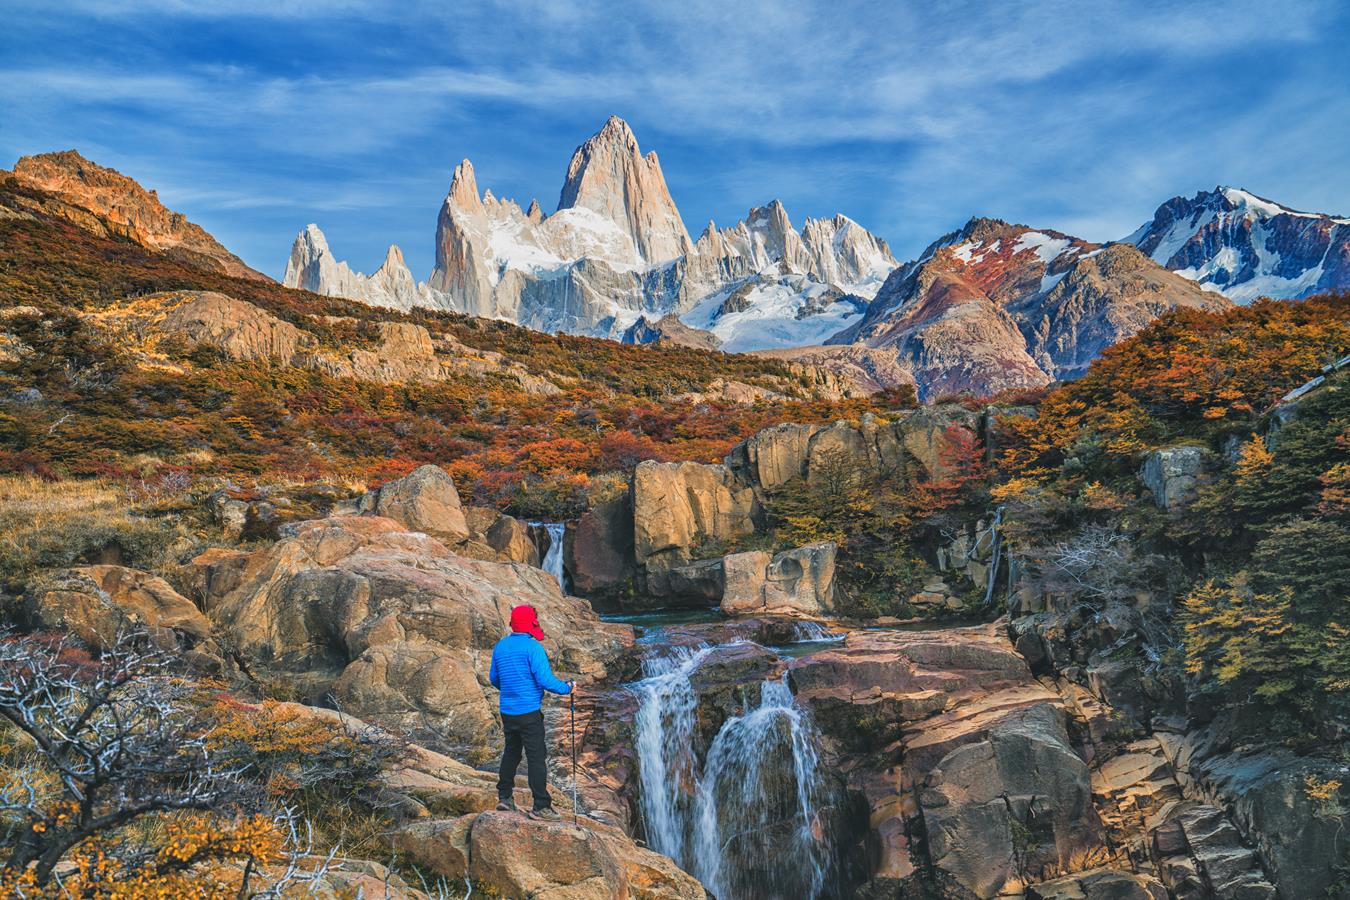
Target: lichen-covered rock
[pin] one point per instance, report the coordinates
(1172, 474)
(798, 582)
(94, 603)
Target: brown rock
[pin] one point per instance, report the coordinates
(94, 602)
(519, 857)
(424, 500)
(599, 547)
(677, 506)
(394, 623)
(797, 582)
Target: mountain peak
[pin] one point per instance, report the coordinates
(609, 175)
(464, 187)
(118, 204)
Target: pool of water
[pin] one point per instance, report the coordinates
(657, 618)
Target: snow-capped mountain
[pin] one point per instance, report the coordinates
(616, 251)
(1233, 241)
(996, 306)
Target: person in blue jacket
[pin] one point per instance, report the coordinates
(520, 671)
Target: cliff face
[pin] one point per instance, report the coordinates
(106, 202)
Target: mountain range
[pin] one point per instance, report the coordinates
(989, 307)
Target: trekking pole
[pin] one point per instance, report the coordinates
(572, 695)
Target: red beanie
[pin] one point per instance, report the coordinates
(526, 621)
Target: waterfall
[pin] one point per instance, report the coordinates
(749, 825)
(807, 632)
(553, 559)
(665, 745)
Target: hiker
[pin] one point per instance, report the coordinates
(520, 671)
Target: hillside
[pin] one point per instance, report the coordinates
(128, 370)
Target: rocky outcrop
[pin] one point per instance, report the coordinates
(599, 551)
(947, 734)
(1246, 246)
(390, 623)
(669, 330)
(866, 369)
(1173, 474)
(96, 603)
(679, 506)
(797, 582)
(1267, 793)
(425, 500)
(107, 202)
(239, 330)
(395, 352)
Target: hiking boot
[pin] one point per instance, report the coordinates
(507, 806)
(547, 814)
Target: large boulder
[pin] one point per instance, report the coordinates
(497, 536)
(599, 548)
(391, 624)
(679, 506)
(425, 500)
(1011, 806)
(94, 603)
(1172, 474)
(798, 582)
(511, 855)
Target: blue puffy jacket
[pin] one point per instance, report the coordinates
(520, 670)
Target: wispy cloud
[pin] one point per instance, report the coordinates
(907, 116)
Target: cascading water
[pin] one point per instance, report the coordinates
(667, 777)
(750, 824)
(553, 559)
(808, 632)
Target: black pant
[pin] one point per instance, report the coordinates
(527, 731)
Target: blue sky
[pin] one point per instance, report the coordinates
(257, 117)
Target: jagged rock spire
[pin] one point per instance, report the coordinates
(609, 175)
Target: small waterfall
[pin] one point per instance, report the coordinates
(759, 832)
(553, 559)
(749, 825)
(807, 632)
(667, 776)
